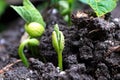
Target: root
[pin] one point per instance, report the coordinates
(112, 49)
(7, 67)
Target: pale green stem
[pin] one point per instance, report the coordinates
(60, 62)
(21, 53)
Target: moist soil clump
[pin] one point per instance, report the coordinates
(92, 50)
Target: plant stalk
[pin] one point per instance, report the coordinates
(21, 53)
(60, 61)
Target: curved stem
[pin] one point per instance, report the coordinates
(21, 53)
(60, 61)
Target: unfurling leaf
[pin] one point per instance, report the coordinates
(58, 39)
(55, 41)
(62, 41)
(29, 13)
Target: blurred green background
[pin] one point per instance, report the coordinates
(7, 14)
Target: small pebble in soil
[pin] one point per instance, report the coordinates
(2, 41)
(62, 73)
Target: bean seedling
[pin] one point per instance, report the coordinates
(58, 44)
(34, 27)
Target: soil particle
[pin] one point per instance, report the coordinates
(85, 53)
(117, 35)
(69, 60)
(77, 72)
(102, 71)
(100, 51)
(113, 59)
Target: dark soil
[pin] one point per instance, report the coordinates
(92, 50)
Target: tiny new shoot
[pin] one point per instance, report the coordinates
(58, 44)
(35, 27)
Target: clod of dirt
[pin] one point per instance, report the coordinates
(69, 60)
(102, 72)
(78, 72)
(45, 71)
(97, 27)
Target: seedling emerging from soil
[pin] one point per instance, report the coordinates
(34, 27)
(101, 7)
(58, 44)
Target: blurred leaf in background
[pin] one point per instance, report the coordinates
(3, 6)
(2, 27)
(100, 7)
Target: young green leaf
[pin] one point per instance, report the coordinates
(55, 38)
(55, 41)
(101, 7)
(29, 13)
(58, 39)
(62, 42)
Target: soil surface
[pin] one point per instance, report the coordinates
(92, 50)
